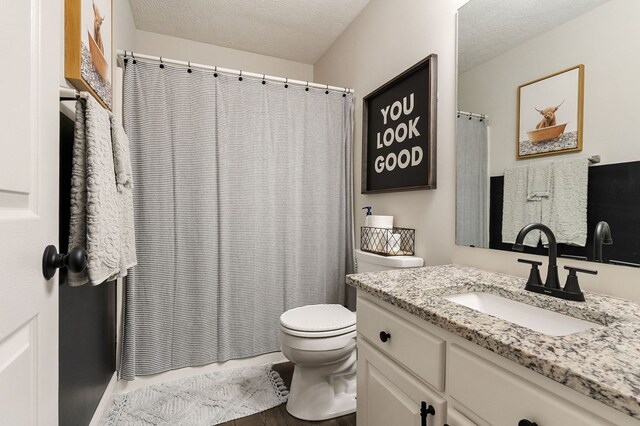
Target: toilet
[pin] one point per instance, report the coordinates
(320, 340)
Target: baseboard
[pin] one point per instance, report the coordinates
(105, 401)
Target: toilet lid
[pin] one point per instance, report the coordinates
(318, 318)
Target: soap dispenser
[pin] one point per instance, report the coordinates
(367, 218)
(368, 222)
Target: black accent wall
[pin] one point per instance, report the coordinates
(613, 196)
(87, 320)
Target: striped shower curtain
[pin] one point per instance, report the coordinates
(243, 209)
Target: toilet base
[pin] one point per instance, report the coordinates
(315, 395)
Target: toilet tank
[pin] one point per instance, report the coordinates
(370, 262)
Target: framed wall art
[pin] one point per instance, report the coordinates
(87, 62)
(550, 114)
(399, 132)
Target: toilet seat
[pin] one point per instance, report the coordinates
(315, 321)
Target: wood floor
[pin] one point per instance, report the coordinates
(278, 416)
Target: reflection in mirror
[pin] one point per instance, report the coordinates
(523, 156)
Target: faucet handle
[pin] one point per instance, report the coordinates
(534, 274)
(533, 263)
(572, 285)
(573, 270)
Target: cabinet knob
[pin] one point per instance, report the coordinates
(525, 422)
(384, 336)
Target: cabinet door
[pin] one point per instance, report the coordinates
(389, 395)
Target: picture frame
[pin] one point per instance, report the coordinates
(399, 131)
(88, 47)
(550, 114)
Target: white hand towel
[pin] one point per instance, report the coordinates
(565, 212)
(95, 219)
(538, 181)
(515, 212)
(124, 181)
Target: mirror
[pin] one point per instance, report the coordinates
(507, 45)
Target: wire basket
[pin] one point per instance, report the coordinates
(388, 241)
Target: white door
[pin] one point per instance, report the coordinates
(31, 36)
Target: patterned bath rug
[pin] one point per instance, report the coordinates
(206, 399)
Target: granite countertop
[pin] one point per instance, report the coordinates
(602, 362)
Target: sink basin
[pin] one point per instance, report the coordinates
(532, 317)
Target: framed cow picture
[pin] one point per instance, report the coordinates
(87, 51)
(550, 114)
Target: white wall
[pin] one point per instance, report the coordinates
(602, 39)
(209, 54)
(124, 37)
(384, 40)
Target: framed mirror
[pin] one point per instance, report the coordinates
(507, 47)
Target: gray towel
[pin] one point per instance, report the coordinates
(515, 211)
(565, 212)
(96, 219)
(124, 184)
(538, 181)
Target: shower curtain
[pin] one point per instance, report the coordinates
(472, 198)
(243, 209)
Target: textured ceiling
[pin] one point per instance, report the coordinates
(488, 28)
(290, 29)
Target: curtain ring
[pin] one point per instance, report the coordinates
(263, 82)
(215, 71)
(189, 69)
(134, 58)
(286, 82)
(240, 77)
(344, 95)
(161, 64)
(306, 89)
(326, 92)
(125, 59)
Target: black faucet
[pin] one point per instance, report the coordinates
(552, 280)
(602, 235)
(551, 287)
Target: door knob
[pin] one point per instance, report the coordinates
(384, 336)
(525, 422)
(75, 260)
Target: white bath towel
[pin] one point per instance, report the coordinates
(565, 212)
(515, 212)
(124, 184)
(96, 219)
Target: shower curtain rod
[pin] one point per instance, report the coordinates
(472, 114)
(122, 54)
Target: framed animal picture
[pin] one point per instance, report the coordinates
(87, 50)
(550, 113)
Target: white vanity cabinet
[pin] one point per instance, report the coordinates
(464, 383)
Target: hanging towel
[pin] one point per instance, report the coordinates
(565, 212)
(95, 219)
(538, 181)
(515, 212)
(124, 185)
